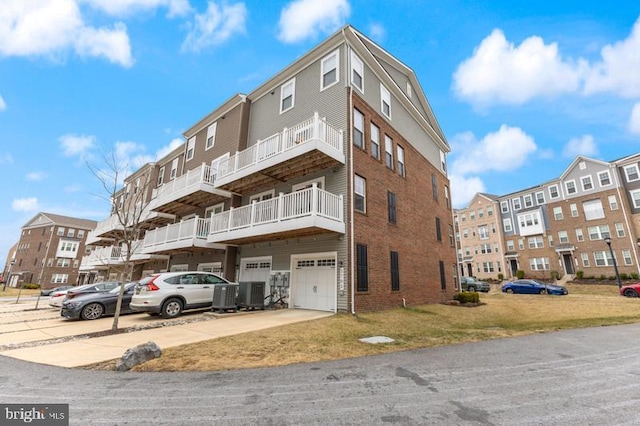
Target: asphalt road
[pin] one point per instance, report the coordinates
(576, 377)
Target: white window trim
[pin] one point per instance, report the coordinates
(551, 197)
(174, 169)
(538, 196)
(180, 267)
(259, 197)
(291, 83)
(504, 206)
(335, 54)
(356, 61)
(582, 179)
(606, 172)
(385, 95)
(634, 200)
(308, 183)
(191, 148)
(160, 176)
(566, 187)
(528, 197)
(626, 172)
(211, 134)
(517, 201)
(212, 209)
(363, 195)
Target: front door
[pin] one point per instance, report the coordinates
(568, 263)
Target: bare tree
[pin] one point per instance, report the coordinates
(129, 195)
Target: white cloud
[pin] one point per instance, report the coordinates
(3, 104)
(583, 145)
(377, 32)
(51, 28)
(303, 19)
(215, 26)
(500, 72)
(463, 189)
(175, 143)
(130, 7)
(36, 176)
(618, 71)
(76, 145)
(25, 204)
(634, 119)
(507, 149)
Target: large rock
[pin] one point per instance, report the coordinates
(138, 355)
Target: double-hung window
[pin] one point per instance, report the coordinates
(287, 95)
(211, 135)
(174, 169)
(360, 194)
(388, 149)
(631, 173)
(385, 101)
(161, 176)
(191, 147)
(357, 72)
(375, 141)
(329, 67)
(358, 128)
(401, 170)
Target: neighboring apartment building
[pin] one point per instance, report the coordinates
(49, 251)
(562, 225)
(478, 232)
(313, 183)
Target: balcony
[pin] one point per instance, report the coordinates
(104, 257)
(193, 189)
(106, 232)
(182, 236)
(307, 212)
(302, 149)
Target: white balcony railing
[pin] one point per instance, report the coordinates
(299, 204)
(201, 175)
(313, 129)
(186, 231)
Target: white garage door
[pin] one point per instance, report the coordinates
(256, 269)
(314, 282)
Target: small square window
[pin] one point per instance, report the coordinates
(287, 96)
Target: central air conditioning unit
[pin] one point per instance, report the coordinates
(251, 294)
(224, 297)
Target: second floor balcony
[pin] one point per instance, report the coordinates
(107, 256)
(307, 212)
(193, 189)
(182, 236)
(302, 149)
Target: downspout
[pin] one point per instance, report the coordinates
(46, 254)
(350, 174)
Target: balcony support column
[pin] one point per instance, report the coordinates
(280, 203)
(314, 199)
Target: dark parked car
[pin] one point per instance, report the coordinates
(531, 286)
(92, 288)
(92, 306)
(472, 284)
(630, 290)
(48, 291)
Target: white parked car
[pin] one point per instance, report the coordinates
(170, 293)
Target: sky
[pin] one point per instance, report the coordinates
(519, 88)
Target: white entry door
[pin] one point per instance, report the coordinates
(314, 282)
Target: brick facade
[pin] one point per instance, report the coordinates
(413, 236)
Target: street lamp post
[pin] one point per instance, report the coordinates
(13, 262)
(615, 264)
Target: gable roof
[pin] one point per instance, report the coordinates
(577, 160)
(48, 219)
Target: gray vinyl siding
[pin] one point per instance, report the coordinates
(402, 80)
(401, 120)
(331, 103)
(576, 174)
(281, 251)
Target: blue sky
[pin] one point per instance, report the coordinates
(519, 88)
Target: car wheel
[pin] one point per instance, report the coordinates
(171, 308)
(544, 291)
(471, 288)
(92, 311)
(509, 290)
(630, 293)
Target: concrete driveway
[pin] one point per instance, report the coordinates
(44, 337)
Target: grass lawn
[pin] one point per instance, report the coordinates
(13, 292)
(500, 315)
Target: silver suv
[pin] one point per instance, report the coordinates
(170, 293)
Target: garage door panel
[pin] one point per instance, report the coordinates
(314, 284)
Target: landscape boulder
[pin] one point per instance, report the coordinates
(138, 355)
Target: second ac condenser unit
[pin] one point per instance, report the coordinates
(251, 294)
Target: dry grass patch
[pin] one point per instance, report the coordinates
(336, 337)
(13, 292)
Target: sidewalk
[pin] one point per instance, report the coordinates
(86, 351)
